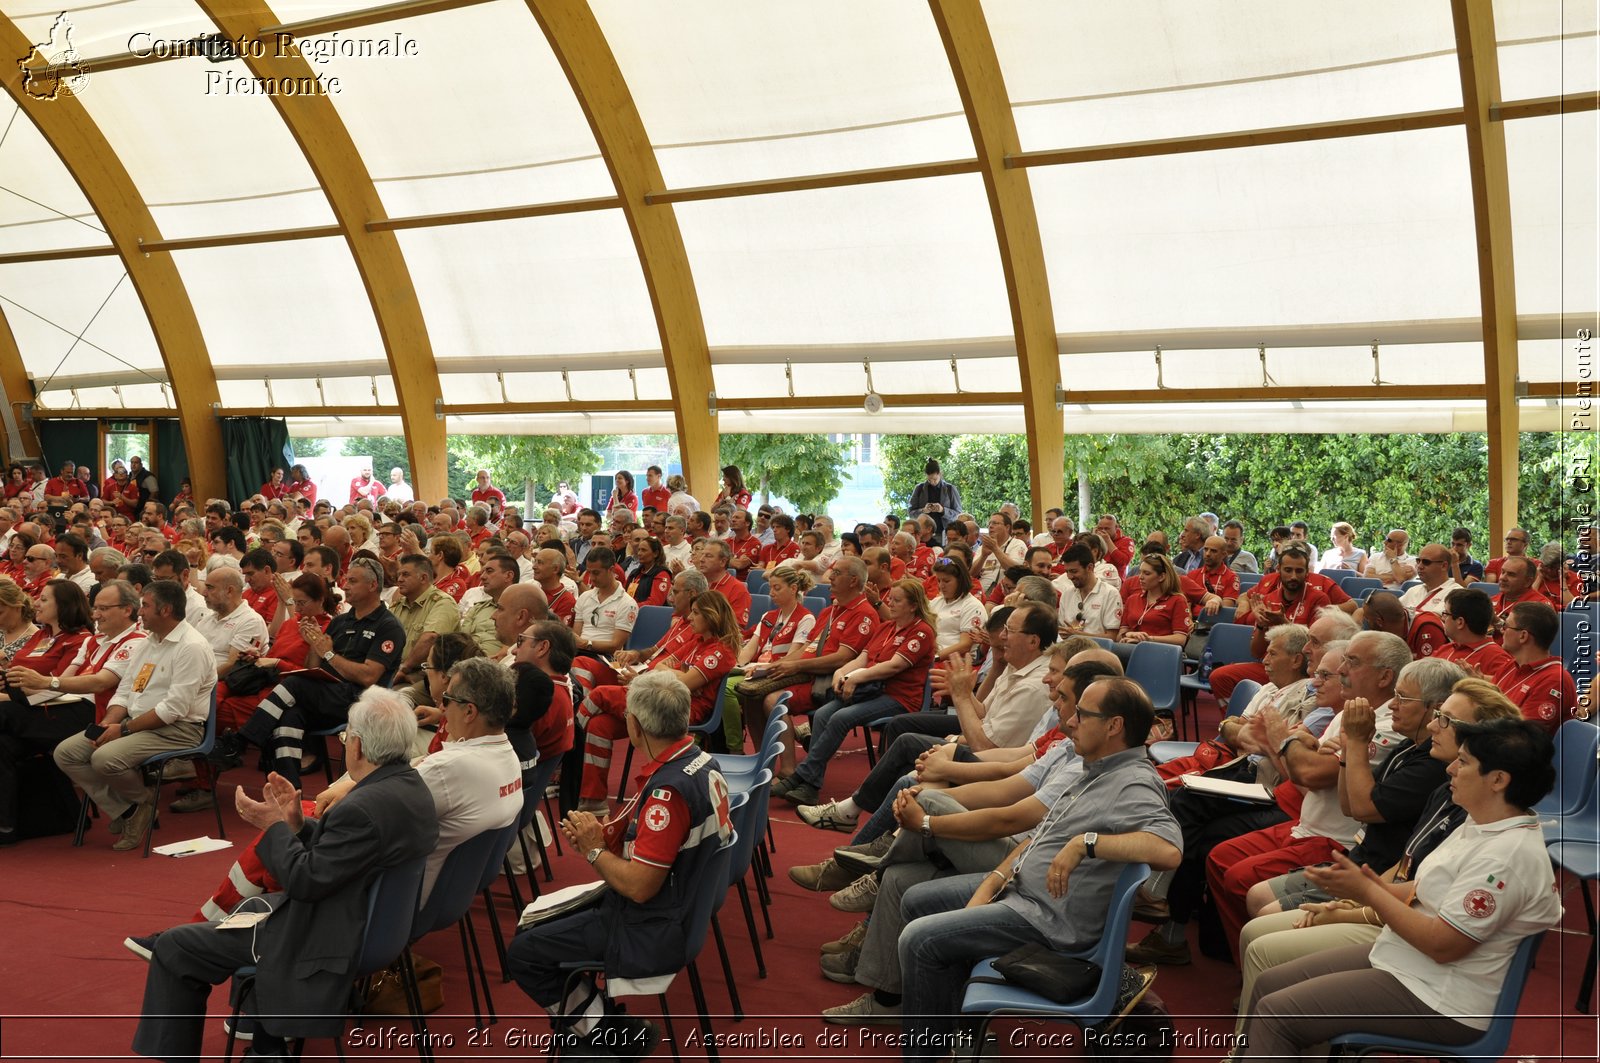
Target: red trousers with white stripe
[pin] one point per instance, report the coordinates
(601, 716)
(1225, 677)
(1237, 864)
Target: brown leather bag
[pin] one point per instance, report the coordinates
(387, 996)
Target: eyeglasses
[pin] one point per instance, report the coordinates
(1443, 719)
(529, 638)
(1323, 673)
(1402, 697)
(455, 700)
(1428, 561)
(345, 736)
(1083, 712)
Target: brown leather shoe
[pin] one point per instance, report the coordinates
(821, 878)
(1153, 948)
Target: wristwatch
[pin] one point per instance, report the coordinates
(1089, 840)
(327, 655)
(593, 854)
(927, 826)
(55, 682)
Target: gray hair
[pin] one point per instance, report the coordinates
(487, 684)
(1388, 651)
(386, 725)
(1336, 646)
(676, 521)
(478, 514)
(230, 576)
(368, 564)
(126, 595)
(1037, 589)
(1344, 625)
(660, 703)
(853, 567)
(1434, 678)
(1294, 636)
(108, 555)
(691, 579)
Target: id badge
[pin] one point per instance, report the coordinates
(142, 680)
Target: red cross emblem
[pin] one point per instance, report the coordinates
(1479, 904)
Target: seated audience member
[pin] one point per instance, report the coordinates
(235, 631)
(445, 556)
(605, 614)
(1089, 605)
(1016, 698)
(649, 583)
(50, 630)
(676, 550)
(699, 665)
(999, 550)
(1517, 576)
(1435, 970)
(958, 615)
(260, 586)
(520, 605)
(1433, 572)
(549, 572)
(675, 823)
(1239, 559)
(1463, 568)
(38, 570)
(783, 545)
(594, 671)
(1538, 683)
(1424, 632)
(1345, 555)
(72, 558)
(101, 660)
(712, 561)
(1280, 936)
(548, 647)
(787, 625)
(1556, 581)
(361, 648)
(1288, 596)
(314, 604)
(1392, 564)
(1156, 610)
(326, 867)
(1468, 622)
(1116, 812)
(1191, 541)
(423, 611)
(161, 704)
(963, 830)
(1211, 584)
(1517, 541)
(479, 604)
(888, 677)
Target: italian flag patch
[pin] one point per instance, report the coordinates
(1497, 882)
(661, 795)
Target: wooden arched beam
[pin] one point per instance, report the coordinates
(1016, 225)
(597, 81)
(1491, 213)
(331, 153)
(18, 391)
(105, 183)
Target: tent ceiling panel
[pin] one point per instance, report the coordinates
(140, 396)
(269, 304)
(110, 28)
(1551, 166)
(735, 91)
(435, 140)
(1457, 363)
(207, 161)
(561, 286)
(915, 260)
(1547, 47)
(49, 304)
(41, 206)
(1108, 73)
(1374, 228)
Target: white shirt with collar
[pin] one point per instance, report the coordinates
(242, 630)
(84, 578)
(601, 618)
(1379, 566)
(1101, 607)
(172, 677)
(477, 786)
(1016, 702)
(683, 553)
(1420, 598)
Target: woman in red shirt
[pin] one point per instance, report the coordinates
(185, 493)
(1156, 611)
(651, 583)
(314, 605)
(622, 493)
(16, 482)
(733, 489)
(275, 488)
(27, 730)
(786, 625)
(14, 566)
(898, 656)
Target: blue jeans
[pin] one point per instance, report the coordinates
(882, 820)
(831, 725)
(942, 941)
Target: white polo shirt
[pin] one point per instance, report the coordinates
(1016, 702)
(1101, 607)
(603, 617)
(242, 630)
(1421, 599)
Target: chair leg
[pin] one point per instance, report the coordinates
(472, 975)
(83, 822)
(700, 1005)
(216, 805)
(772, 844)
(527, 859)
(470, 930)
(727, 970)
(750, 924)
(498, 934)
(544, 855)
(1586, 983)
(666, 1023)
(150, 830)
(419, 1022)
(555, 836)
(872, 754)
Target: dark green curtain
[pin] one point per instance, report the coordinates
(172, 466)
(254, 447)
(77, 440)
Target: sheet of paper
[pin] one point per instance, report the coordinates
(193, 846)
(1244, 791)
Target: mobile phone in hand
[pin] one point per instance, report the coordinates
(94, 731)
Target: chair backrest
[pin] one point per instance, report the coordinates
(756, 582)
(1230, 643)
(744, 813)
(1577, 745)
(1107, 955)
(1491, 589)
(1248, 580)
(713, 723)
(651, 623)
(1339, 575)
(823, 591)
(538, 783)
(1360, 586)
(760, 605)
(1408, 584)
(1579, 627)
(1242, 696)
(708, 900)
(1104, 643)
(1156, 666)
(815, 604)
(777, 720)
(462, 878)
(1224, 615)
(391, 907)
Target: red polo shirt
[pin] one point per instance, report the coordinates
(1224, 583)
(1543, 690)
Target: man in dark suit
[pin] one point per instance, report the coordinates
(305, 952)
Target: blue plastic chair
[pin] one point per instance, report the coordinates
(1243, 694)
(1360, 586)
(823, 591)
(1408, 584)
(815, 603)
(651, 623)
(1577, 745)
(1491, 589)
(737, 765)
(760, 604)
(1580, 637)
(1161, 752)
(1229, 644)
(1248, 580)
(868, 727)
(1157, 667)
(755, 581)
(992, 1001)
(745, 811)
(1493, 1043)
(711, 725)
(1582, 860)
(391, 907)
(1340, 575)
(208, 741)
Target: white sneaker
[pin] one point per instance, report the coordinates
(864, 1009)
(827, 817)
(859, 896)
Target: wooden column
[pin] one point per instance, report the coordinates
(1491, 214)
(1016, 225)
(596, 80)
(331, 153)
(105, 183)
(18, 391)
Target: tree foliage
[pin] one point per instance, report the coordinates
(808, 470)
(901, 460)
(546, 460)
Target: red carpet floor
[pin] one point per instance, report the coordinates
(69, 990)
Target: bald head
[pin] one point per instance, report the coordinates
(1384, 612)
(1098, 655)
(520, 604)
